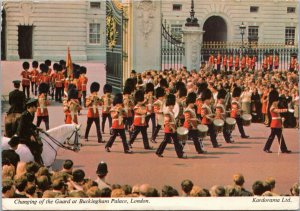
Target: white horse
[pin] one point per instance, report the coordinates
(52, 140)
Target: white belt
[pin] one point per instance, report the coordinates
(276, 117)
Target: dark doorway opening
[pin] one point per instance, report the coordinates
(215, 30)
(25, 42)
(3, 36)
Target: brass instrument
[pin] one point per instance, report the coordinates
(95, 101)
(42, 102)
(106, 102)
(126, 103)
(73, 106)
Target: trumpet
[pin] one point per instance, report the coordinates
(95, 101)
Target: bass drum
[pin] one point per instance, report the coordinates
(218, 125)
(175, 110)
(246, 119)
(230, 124)
(202, 131)
(11, 124)
(182, 134)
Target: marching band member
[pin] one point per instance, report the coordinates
(59, 81)
(139, 121)
(271, 62)
(220, 113)
(26, 78)
(83, 80)
(265, 63)
(191, 122)
(128, 107)
(182, 93)
(77, 83)
(236, 110)
(107, 104)
(42, 110)
(276, 125)
(50, 74)
(206, 114)
(230, 62)
(201, 87)
(219, 62)
(34, 75)
(276, 62)
(92, 102)
(149, 100)
(44, 77)
(253, 62)
(236, 62)
(225, 62)
(170, 130)
(72, 107)
(243, 63)
(163, 83)
(158, 109)
(118, 113)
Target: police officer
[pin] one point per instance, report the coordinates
(27, 131)
(16, 99)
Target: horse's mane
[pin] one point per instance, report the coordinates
(59, 130)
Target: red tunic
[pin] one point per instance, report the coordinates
(128, 105)
(236, 61)
(139, 115)
(34, 74)
(42, 109)
(44, 78)
(230, 61)
(199, 104)
(25, 78)
(70, 105)
(276, 61)
(107, 103)
(235, 107)
(117, 114)
(224, 60)
(169, 123)
(83, 80)
(276, 119)
(219, 59)
(59, 80)
(92, 102)
(190, 119)
(205, 111)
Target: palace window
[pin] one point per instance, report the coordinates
(254, 9)
(95, 5)
(94, 33)
(291, 9)
(253, 34)
(289, 35)
(176, 31)
(177, 7)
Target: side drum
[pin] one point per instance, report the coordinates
(230, 124)
(246, 119)
(218, 125)
(182, 133)
(202, 131)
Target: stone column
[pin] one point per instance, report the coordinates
(192, 37)
(146, 34)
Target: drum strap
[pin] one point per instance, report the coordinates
(276, 117)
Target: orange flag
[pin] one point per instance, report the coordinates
(69, 64)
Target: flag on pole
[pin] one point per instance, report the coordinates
(69, 64)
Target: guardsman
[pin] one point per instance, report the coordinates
(106, 99)
(16, 99)
(163, 83)
(249, 62)
(27, 131)
(219, 62)
(265, 63)
(128, 107)
(118, 113)
(44, 77)
(271, 62)
(72, 107)
(253, 62)
(42, 110)
(93, 102)
(50, 74)
(292, 64)
(139, 121)
(230, 62)
(34, 76)
(276, 62)
(149, 100)
(276, 125)
(181, 100)
(225, 62)
(77, 83)
(191, 122)
(59, 81)
(211, 61)
(26, 79)
(243, 63)
(84, 80)
(53, 77)
(237, 63)
(201, 87)
(158, 109)
(170, 129)
(236, 110)
(220, 113)
(206, 114)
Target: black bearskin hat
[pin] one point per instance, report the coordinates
(107, 88)
(44, 68)
(35, 64)
(206, 94)
(25, 65)
(163, 83)
(118, 99)
(43, 88)
(59, 68)
(273, 96)
(83, 70)
(76, 74)
(178, 85)
(130, 83)
(182, 92)
(159, 92)
(201, 87)
(139, 96)
(71, 86)
(95, 86)
(72, 94)
(171, 100)
(55, 65)
(191, 98)
(237, 91)
(149, 87)
(48, 62)
(221, 94)
(127, 90)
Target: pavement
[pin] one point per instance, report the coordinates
(245, 156)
